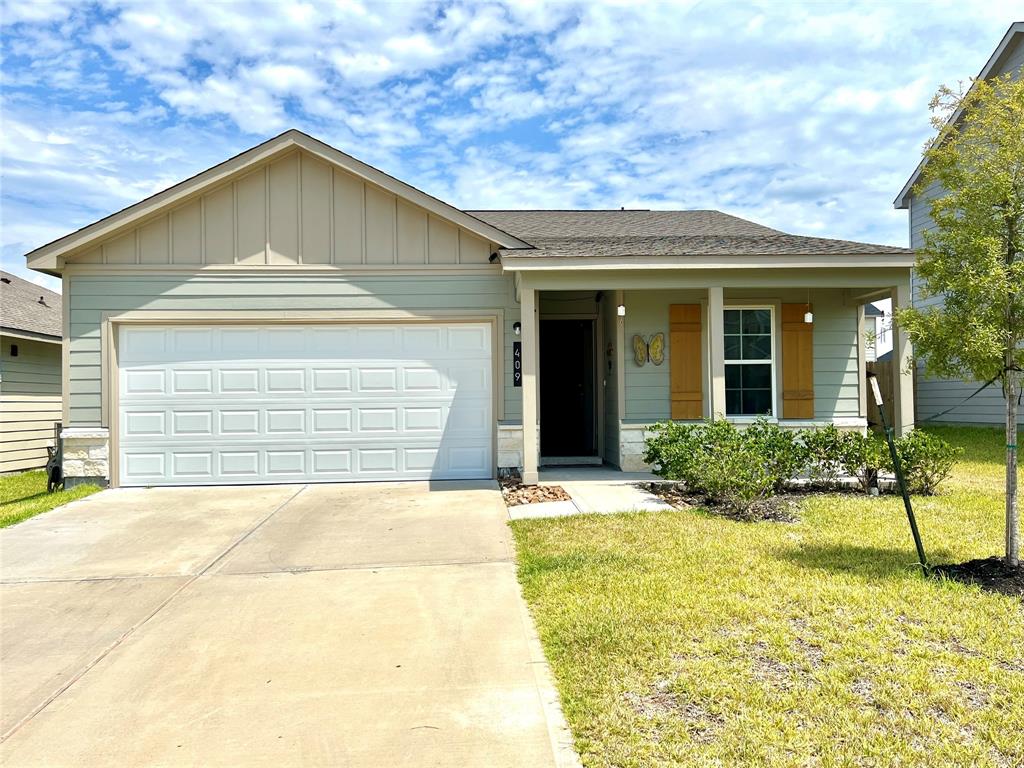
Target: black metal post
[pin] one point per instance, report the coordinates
(898, 469)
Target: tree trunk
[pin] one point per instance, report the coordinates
(1012, 517)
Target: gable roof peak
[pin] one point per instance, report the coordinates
(49, 257)
(1014, 36)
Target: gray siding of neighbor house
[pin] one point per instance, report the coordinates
(92, 295)
(836, 379)
(937, 395)
(30, 401)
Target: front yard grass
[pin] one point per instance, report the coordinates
(688, 639)
(24, 495)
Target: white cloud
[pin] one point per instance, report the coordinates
(806, 117)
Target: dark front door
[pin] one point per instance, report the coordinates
(567, 388)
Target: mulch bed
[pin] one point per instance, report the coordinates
(779, 509)
(990, 573)
(515, 493)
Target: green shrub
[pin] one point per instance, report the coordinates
(825, 449)
(782, 451)
(669, 448)
(863, 457)
(713, 458)
(926, 460)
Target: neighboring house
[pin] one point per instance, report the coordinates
(878, 336)
(30, 372)
(951, 400)
(296, 315)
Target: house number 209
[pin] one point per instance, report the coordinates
(517, 363)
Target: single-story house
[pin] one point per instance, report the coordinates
(30, 372)
(957, 401)
(296, 315)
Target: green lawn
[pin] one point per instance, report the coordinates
(689, 639)
(24, 495)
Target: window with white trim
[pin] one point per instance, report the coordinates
(749, 361)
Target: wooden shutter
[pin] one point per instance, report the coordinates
(797, 363)
(685, 361)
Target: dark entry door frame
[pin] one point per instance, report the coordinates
(571, 391)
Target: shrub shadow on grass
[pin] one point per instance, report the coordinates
(869, 562)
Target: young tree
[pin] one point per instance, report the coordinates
(974, 257)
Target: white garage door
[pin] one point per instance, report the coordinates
(289, 403)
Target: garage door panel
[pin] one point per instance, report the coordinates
(307, 403)
(144, 423)
(239, 464)
(244, 381)
(143, 382)
(331, 420)
(143, 465)
(241, 342)
(331, 380)
(286, 380)
(192, 464)
(241, 423)
(192, 423)
(332, 462)
(377, 380)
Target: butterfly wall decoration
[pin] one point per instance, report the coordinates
(652, 349)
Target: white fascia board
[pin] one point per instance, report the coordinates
(587, 263)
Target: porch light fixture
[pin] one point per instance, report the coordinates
(621, 310)
(517, 328)
(808, 315)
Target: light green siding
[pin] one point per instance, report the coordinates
(647, 387)
(30, 401)
(836, 384)
(92, 295)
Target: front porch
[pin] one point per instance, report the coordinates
(606, 353)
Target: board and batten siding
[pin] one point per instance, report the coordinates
(92, 295)
(297, 209)
(936, 396)
(836, 378)
(30, 401)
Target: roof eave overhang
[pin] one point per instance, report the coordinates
(50, 257)
(522, 263)
(20, 333)
(902, 201)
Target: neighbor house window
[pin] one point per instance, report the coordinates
(749, 361)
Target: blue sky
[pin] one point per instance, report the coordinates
(805, 117)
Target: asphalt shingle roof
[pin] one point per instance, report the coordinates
(21, 310)
(662, 233)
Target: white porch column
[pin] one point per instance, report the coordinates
(716, 347)
(530, 337)
(903, 374)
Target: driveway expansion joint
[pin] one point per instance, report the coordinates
(142, 622)
(369, 567)
(94, 579)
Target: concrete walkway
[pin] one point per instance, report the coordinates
(354, 625)
(597, 490)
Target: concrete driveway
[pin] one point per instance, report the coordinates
(348, 625)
